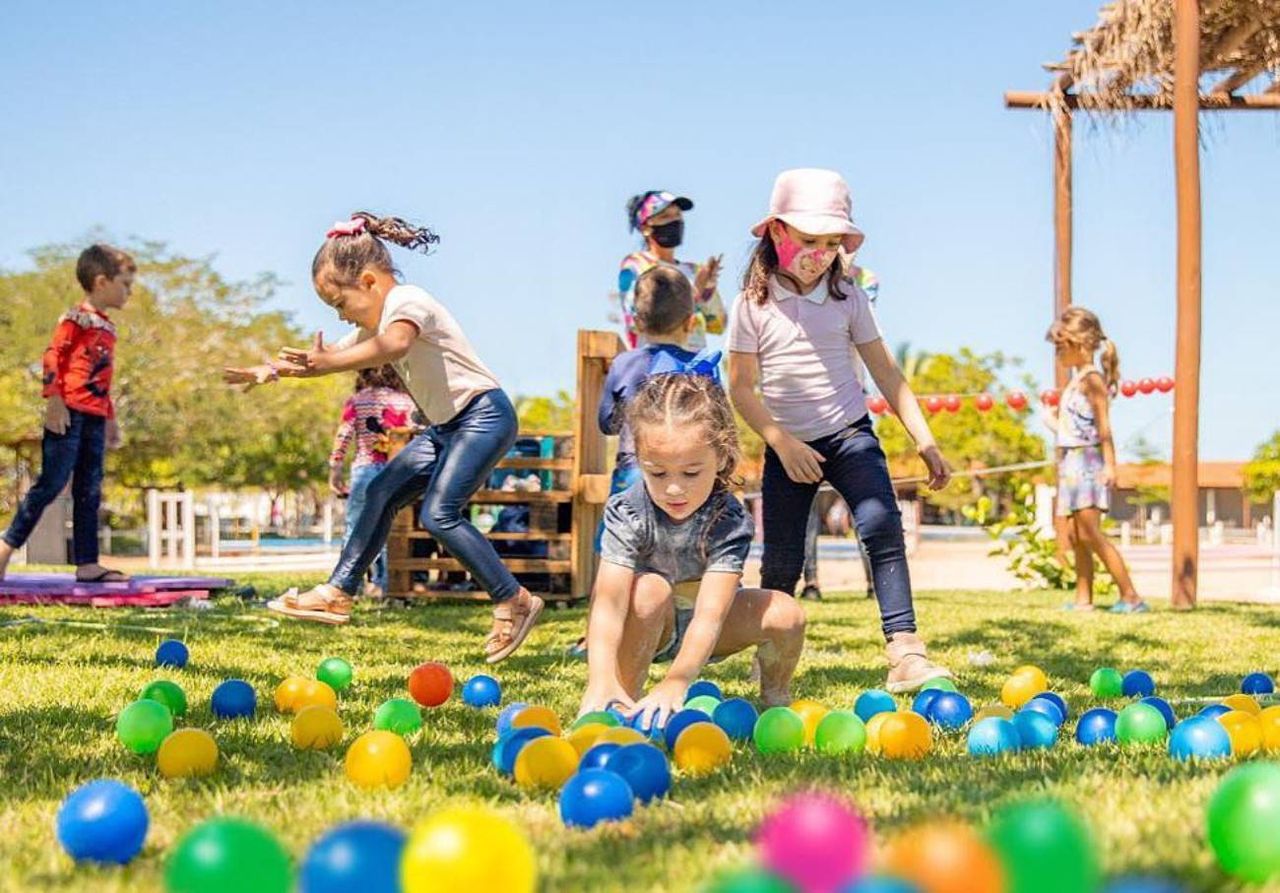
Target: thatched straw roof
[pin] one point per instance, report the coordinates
(1125, 61)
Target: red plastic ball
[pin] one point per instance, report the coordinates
(984, 402)
(877, 405)
(1164, 384)
(1146, 385)
(1049, 397)
(952, 403)
(933, 404)
(1016, 400)
(430, 684)
(1128, 388)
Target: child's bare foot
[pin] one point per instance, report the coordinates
(323, 604)
(909, 664)
(512, 620)
(6, 552)
(1080, 606)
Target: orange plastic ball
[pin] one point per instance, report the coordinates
(874, 725)
(545, 764)
(1022, 687)
(187, 752)
(622, 735)
(1242, 702)
(314, 693)
(379, 759)
(430, 684)
(1244, 730)
(287, 693)
(316, 728)
(945, 858)
(811, 712)
(702, 748)
(905, 736)
(538, 718)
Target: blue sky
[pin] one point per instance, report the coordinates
(519, 130)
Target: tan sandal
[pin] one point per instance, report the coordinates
(511, 627)
(323, 604)
(909, 664)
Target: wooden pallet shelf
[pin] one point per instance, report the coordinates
(515, 565)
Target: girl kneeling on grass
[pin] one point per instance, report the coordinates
(670, 581)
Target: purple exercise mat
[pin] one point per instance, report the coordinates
(48, 584)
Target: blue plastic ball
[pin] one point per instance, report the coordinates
(360, 855)
(950, 710)
(102, 821)
(507, 715)
(880, 884)
(645, 769)
(1059, 702)
(680, 722)
(1045, 707)
(703, 687)
(874, 701)
(481, 691)
(992, 736)
(737, 717)
(597, 755)
(1138, 684)
(172, 653)
(1201, 738)
(1141, 884)
(234, 698)
(1035, 730)
(1258, 684)
(923, 702)
(1213, 711)
(654, 731)
(1096, 726)
(507, 747)
(593, 796)
(1170, 718)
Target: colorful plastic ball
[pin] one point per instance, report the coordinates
(993, 736)
(1269, 719)
(187, 753)
(379, 759)
(1035, 730)
(458, 849)
(706, 703)
(102, 821)
(737, 717)
(923, 701)
(1247, 703)
(545, 763)
(679, 722)
(1128, 388)
(702, 748)
(779, 730)
(1170, 718)
(167, 693)
(1018, 689)
(1213, 711)
(873, 730)
(597, 755)
(945, 858)
(1243, 815)
(595, 717)
(172, 653)
(951, 710)
(815, 841)
(994, 710)
(1045, 707)
(143, 725)
(1096, 726)
(361, 855)
(1058, 701)
(335, 673)
(399, 715)
(1106, 683)
(535, 715)
(703, 687)
(1258, 684)
(644, 767)
(1016, 400)
(840, 732)
(1030, 671)
(874, 701)
(1137, 684)
(508, 746)
(1045, 848)
(286, 694)
(942, 683)
(1132, 883)
(431, 683)
(1140, 724)
(1244, 730)
(314, 693)
(316, 728)
(508, 714)
(593, 796)
(584, 737)
(229, 854)
(1201, 738)
(625, 735)
(748, 880)
(883, 883)
(481, 691)
(811, 712)
(647, 727)
(905, 736)
(234, 698)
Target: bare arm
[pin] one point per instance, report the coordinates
(382, 348)
(893, 385)
(802, 463)
(1095, 390)
(609, 605)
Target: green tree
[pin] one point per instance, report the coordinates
(558, 413)
(1262, 473)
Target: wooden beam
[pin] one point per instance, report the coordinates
(1184, 503)
(1209, 102)
(1061, 224)
(1237, 80)
(1235, 38)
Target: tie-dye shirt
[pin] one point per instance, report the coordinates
(367, 416)
(708, 310)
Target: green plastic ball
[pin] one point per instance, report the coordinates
(779, 730)
(1106, 683)
(399, 715)
(840, 731)
(143, 725)
(706, 703)
(940, 684)
(335, 673)
(1243, 815)
(1045, 848)
(749, 880)
(167, 693)
(229, 854)
(598, 717)
(1141, 724)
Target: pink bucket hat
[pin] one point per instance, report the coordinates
(814, 201)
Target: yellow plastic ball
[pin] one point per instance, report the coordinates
(583, 737)
(468, 848)
(537, 717)
(811, 712)
(187, 753)
(621, 735)
(379, 759)
(316, 728)
(545, 763)
(905, 736)
(701, 748)
(874, 725)
(287, 693)
(1018, 689)
(1269, 720)
(998, 710)
(1032, 672)
(315, 693)
(1242, 702)
(1244, 730)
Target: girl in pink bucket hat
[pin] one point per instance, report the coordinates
(792, 376)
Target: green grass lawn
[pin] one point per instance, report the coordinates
(61, 686)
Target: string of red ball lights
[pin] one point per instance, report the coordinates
(1016, 400)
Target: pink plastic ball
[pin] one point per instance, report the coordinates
(816, 842)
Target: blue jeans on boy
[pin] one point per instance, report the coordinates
(445, 465)
(361, 477)
(855, 466)
(77, 454)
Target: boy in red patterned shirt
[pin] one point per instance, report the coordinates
(79, 419)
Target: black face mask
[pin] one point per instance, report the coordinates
(668, 235)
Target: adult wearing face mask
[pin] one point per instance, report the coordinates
(658, 216)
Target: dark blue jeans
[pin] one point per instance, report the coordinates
(856, 467)
(445, 465)
(76, 455)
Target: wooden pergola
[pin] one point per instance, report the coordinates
(1157, 55)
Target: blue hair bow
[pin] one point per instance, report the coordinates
(705, 363)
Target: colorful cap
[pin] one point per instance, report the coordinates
(655, 202)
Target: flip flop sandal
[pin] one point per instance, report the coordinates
(320, 609)
(106, 575)
(1083, 609)
(1129, 608)
(512, 631)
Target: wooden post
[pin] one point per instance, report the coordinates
(1062, 214)
(590, 459)
(1186, 398)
